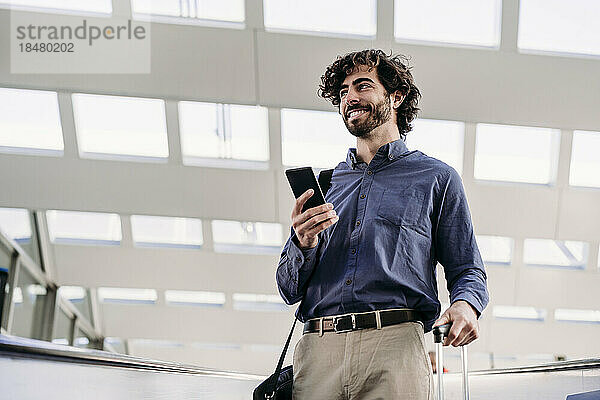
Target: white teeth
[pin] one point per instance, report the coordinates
(355, 113)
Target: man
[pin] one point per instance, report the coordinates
(364, 263)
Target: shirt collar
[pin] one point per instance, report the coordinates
(351, 159)
(388, 151)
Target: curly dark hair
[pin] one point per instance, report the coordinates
(392, 71)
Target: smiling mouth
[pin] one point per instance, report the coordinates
(357, 113)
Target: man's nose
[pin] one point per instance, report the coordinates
(351, 98)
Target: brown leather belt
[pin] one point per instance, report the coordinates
(354, 322)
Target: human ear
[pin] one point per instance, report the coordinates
(397, 98)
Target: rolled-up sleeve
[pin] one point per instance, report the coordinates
(456, 247)
(295, 267)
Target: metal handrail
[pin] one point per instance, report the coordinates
(585, 363)
(13, 346)
(28, 348)
(33, 268)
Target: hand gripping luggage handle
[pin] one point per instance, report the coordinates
(439, 333)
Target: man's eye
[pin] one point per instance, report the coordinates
(343, 93)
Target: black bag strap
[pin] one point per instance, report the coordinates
(273, 384)
(325, 184)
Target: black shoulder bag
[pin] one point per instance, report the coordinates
(279, 385)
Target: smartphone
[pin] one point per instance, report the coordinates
(302, 179)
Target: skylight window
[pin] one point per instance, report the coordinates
(585, 162)
(72, 227)
(443, 140)
(214, 10)
(590, 316)
(212, 131)
(555, 253)
(314, 138)
(166, 231)
(194, 298)
(517, 312)
(246, 237)
(16, 224)
(559, 27)
(94, 6)
(121, 127)
(463, 22)
(516, 153)
(79, 297)
(348, 17)
(30, 122)
(36, 290)
(495, 249)
(127, 295)
(258, 302)
(72, 293)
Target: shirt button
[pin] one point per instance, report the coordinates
(369, 172)
(357, 223)
(391, 157)
(353, 251)
(362, 196)
(348, 282)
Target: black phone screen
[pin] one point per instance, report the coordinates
(302, 179)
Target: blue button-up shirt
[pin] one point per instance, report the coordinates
(398, 217)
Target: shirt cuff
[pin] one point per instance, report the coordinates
(299, 256)
(300, 262)
(472, 300)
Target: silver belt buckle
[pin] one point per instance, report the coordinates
(335, 324)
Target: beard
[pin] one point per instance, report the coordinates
(378, 117)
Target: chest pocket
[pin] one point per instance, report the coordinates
(402, 206)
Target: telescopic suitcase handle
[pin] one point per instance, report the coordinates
(439, 333)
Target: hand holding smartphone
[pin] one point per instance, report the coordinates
(310, 214)
(301, 180)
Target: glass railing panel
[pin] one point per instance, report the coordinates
(31, 248)
(29, 294)
(29, 310)
(62, 327)
(82, 340)
(115, 344)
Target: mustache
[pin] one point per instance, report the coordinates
(356, 107)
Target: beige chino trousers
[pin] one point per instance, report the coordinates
(383, 364)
